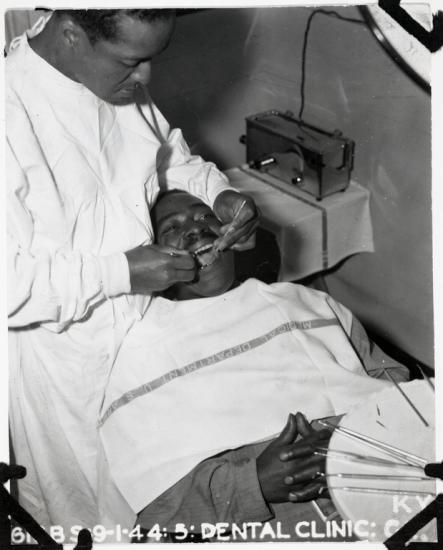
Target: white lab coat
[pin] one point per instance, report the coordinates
(81, 176)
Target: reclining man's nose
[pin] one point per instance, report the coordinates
(193, 230)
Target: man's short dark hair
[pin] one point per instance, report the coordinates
(164, 193)
(103, 24)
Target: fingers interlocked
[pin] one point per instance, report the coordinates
(307, 480)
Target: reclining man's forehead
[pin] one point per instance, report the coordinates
(175, 202)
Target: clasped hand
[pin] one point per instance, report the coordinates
(288, 470)
(238, 214)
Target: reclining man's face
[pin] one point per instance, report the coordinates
(186, 223)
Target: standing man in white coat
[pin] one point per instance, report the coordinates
(87, 153)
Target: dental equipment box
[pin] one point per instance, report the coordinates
(311, 159)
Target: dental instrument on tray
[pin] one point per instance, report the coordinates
(411, 404)
(382, 477)
(390, 450)
(358, 458)
(426, 377)
(380, 490)
(232, 227)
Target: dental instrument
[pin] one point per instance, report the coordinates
(410, 403)
(232, 227)
(399, 454)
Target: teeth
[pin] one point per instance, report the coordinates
(203, 249)
(211, 261)
(205, 255)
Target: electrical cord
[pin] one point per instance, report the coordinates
(329, 13)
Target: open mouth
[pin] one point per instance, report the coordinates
(205, 255)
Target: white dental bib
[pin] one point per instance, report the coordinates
(202, 376)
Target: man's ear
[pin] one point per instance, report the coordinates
(72, 35)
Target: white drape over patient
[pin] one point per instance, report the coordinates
(81, 175)
(223, 372)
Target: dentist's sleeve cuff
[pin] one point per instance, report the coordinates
(115, 274)
(219, 183)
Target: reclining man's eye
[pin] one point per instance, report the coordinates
(169, 229)
(206, 216)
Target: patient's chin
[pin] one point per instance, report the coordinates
(213, 280)
(208, 290)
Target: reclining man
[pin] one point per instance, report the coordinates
(188, 428)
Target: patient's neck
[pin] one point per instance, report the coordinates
(186, 292)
